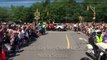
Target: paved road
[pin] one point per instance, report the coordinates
(55, 46)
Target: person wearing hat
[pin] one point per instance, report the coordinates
(99, 36)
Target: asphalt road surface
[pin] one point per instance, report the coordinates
(64, 45)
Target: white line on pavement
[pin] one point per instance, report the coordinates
(85, 40)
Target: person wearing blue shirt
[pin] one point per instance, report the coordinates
(40, 28)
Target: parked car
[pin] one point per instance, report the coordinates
(51, 27)
(60, 27)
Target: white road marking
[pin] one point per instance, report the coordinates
(56, 32)
(85, 40)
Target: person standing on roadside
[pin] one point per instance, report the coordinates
(75, 27)
(40, 28)
(1, 37)
(44, 28)
(98, 39)
(105, 37)
(99, 36)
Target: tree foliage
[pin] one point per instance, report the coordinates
(57, 11)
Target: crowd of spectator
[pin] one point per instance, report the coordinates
(97, 33)
(87, 28)
(13, 37)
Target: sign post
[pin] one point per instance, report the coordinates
(36, 16)
(81, 19)
(94, 16)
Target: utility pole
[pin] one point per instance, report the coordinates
(36, 16)
(94, 11)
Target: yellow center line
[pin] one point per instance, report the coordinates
(68, 42)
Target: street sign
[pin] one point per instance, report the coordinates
(94, 11)
(94, 15)
(80, 18)
(36, 15)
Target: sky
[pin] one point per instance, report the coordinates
(27, 3)
(8, 3)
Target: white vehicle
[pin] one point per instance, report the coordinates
(60, 27)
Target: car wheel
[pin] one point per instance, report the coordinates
(59, 29)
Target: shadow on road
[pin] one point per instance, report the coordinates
(91, 56)
(85, 58)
